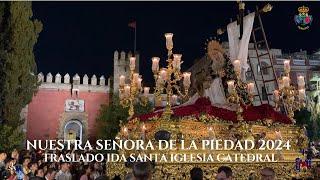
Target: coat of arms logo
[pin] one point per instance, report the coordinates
(303, 20)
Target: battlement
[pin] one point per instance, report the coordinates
(66, 83)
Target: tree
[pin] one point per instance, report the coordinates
(110, 116)
(18, 82)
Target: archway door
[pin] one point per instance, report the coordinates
(73, 130)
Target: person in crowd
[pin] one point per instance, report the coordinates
(317, 172)
(86, 173)
(64, 172)
(129, 176)
(267, 173)
(50, 174)
(97, 170)
(196, 173)
(3, 157)
(25, 164)
(142, 170)
(224, 173)
(33, 166)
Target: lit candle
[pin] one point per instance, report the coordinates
(286, 81)
(177, 61)
(302, 94)
(146, 91)
(250, 88)
(135, 77)
(122, 80)
(121, 95)
(159, 80)
(301, 83)
(155, 64)
(286, 66)
(125, 132)
(163, 74)
(143, 135)
(174, 99)
(169, 42)
(139, 83)
(280, 82)
(132, 63)
(210, 132)
(230, 86)
(186, 79)
(127, 90)
(236, 65)
(276, 95)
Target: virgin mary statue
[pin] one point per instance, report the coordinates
(211, 76)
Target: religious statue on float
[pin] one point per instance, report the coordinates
(211, 76)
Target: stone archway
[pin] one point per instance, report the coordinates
(73, 130)
(72, 121)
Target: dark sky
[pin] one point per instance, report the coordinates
(80, 37)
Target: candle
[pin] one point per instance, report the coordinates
(286, 66)
(174, 99)
(276, 95)
(159, 80)
(236, 65)
(286, 81)
(177, 61)
(169, 42)
(163, 74)
(135, 77)
(121, 95)
(186, 79)
(125, 132)
(146, 91)
(301, 94)
(155, 64)
(139, 83)
(280, 82)
(122, 80)
(143, 135)
(250, 88)
(132, 63)
(127, 90)
(230, 86)
(301, 83)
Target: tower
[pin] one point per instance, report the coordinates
(121, 67)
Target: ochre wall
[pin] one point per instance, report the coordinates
(47, 105)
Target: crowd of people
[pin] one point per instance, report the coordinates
(30, 165)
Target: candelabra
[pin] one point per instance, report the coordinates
(290, 97)
(132, 92)
(234, 97)
(167, 79)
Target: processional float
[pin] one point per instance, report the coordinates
(278, 141)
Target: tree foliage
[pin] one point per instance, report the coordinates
(10, 138)
(110, 116)
(18, 82)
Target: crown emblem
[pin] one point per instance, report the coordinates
(303, 9)
(303, 20)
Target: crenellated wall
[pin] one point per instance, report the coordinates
(47, 114)
(121, 67)
(84, 84)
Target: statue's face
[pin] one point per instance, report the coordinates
(218, 61)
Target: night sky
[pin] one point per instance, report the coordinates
(80, 37)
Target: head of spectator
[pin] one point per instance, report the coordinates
(65, 167)
(142, 170)
(33, 166)
(50, 174)
(3, 156)
(267, 173)
(39, 173)
(224, 173)
(196, 174)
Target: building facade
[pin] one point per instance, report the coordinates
(65, 108)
